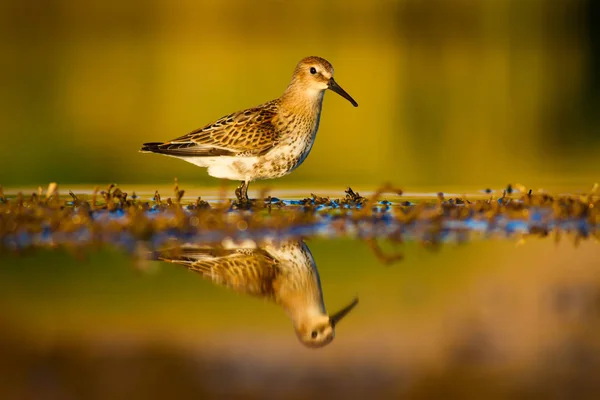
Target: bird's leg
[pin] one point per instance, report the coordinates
(238, 191)
(245, 185)
(241, 192)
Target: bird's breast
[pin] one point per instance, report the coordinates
(296, 132)
(298, 136)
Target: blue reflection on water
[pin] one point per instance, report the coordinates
(381, 223)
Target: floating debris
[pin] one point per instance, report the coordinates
(111, 217)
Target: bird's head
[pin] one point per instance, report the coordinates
(314, 75)
(320, 330)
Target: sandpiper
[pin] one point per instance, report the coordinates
(284, 273)
(264, 142)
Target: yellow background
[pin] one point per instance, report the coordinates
(462, 92)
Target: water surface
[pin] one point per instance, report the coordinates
(432, 321)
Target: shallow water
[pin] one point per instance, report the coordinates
(436, 318)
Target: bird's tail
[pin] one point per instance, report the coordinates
(152, 147)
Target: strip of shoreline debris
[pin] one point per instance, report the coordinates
(45, 219)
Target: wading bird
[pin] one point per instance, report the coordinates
(268, 141)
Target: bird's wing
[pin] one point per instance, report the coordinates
(245, 133)
(250, 271)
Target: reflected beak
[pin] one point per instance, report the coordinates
(338, 89)
(337, 317)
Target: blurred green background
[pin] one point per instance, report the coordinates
(460, 92)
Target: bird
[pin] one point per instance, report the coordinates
(284, 273)
(264, 142)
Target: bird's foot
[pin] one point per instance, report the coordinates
(242, 203)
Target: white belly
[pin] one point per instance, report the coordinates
(225, 167)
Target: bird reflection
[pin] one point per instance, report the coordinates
(283, 273)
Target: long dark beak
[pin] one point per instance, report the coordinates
(338, 89)
(337, 317)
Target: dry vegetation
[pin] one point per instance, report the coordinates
(46, 219)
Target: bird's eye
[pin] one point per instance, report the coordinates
(313, 70)
(314, 334)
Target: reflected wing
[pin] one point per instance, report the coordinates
(250, 271)
(245, 133)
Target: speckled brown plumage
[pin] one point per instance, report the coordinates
(244, 133)
(250, 271)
